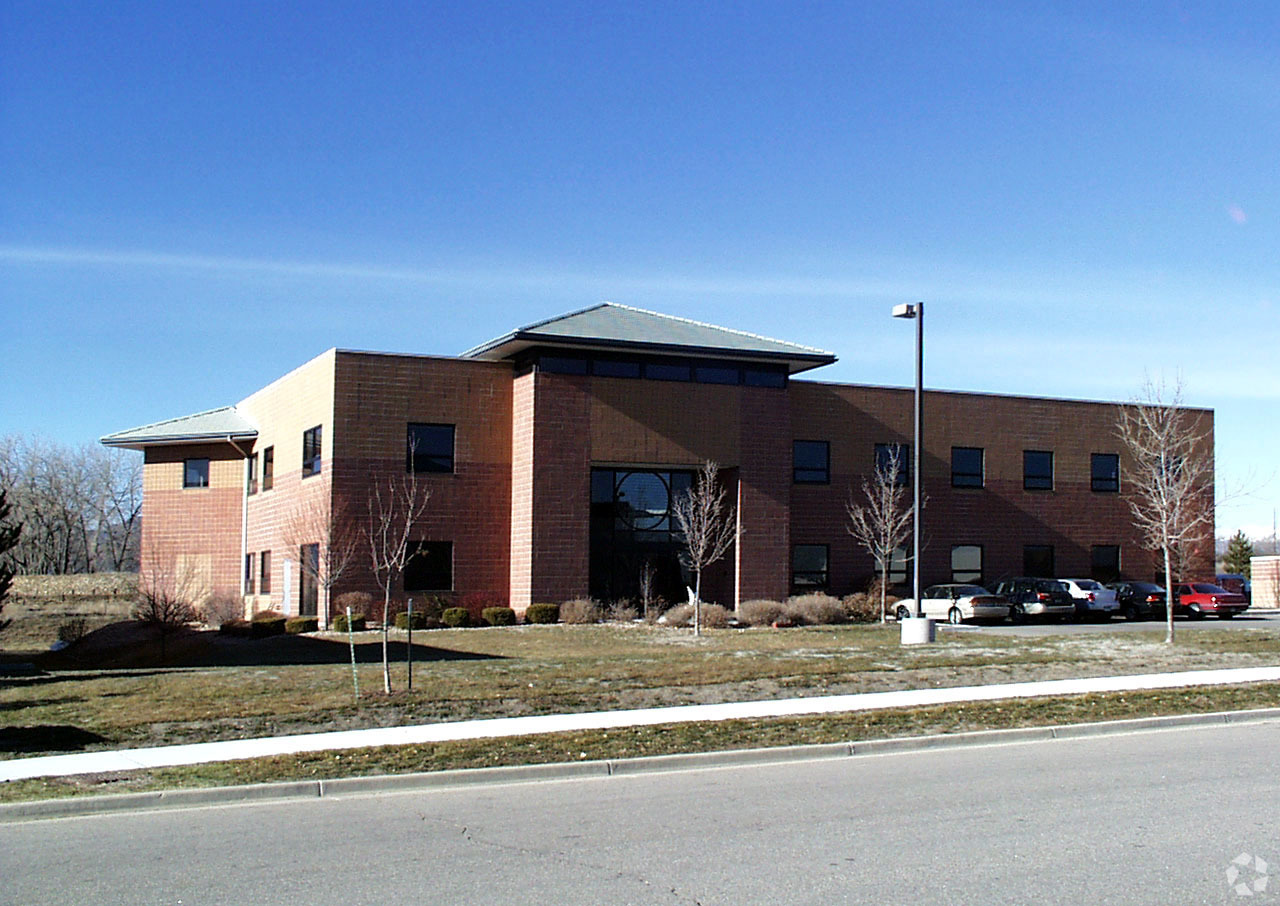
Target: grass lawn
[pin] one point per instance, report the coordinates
(240, 688)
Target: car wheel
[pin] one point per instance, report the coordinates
(1195, 612)
(1226, 615)
(903, 614)
(1018, 613)
(954, 617)
(1132, 614)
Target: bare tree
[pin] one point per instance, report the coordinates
(647, 575)
(394, 507)
(169, 594)
(709, 528)
(1170, 490)
(9, 532)
(327, 523)
(883, 523)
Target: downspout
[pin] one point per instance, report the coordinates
(244, 516)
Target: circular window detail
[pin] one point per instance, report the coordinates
(643, 499)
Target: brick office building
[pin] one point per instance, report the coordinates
(552, 454)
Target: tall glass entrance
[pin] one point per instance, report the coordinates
(631, 526)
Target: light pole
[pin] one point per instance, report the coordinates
(915, 310)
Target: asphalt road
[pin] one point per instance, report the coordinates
(1137, 819)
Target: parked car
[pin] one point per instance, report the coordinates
(1197, 599)
(1031, 597)
(1139, 600)
(1235, 582)
(956, 603)
(1092, 599)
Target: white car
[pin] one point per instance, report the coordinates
(1093, 599)
(956, 603)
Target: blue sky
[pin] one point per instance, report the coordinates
(196, 197)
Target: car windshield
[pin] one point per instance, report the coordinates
(970, 590)
(1050, 585)
(1088, 584)
(1206, 589)
(1147, 586)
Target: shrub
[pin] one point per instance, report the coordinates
(295, 625)
(236, 627)
(542, 613)
(455, 617)
(816, 609)
(623, 612)
(499, 616)
(73, 630)
(357, 622)
(420, 619)
(760, 613)
(862, 607)
(267, 622)
(581, 611)
(360, 602)
(220, 607)
(474, 603)
(713, 616)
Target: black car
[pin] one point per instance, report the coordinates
(1032, 597)
(1139, 600)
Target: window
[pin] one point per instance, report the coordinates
(253, 475)
(1104, 562)
(809, 566)
(885, 454)
(429, 448)
(264, 573)
(897, 564)
(615, 368)
(966, 467)
(249, 574)
(554, 364)
(811, 462)
(1037, 561)
(666, 371)
(966, 564)
(715, 374)
(308, 574)
(311, 452)
(755, 377)
(1105, 472)
(268, 468)
(195, 473)
(1037, 470)
(430, 566)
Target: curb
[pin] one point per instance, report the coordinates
(626, 767)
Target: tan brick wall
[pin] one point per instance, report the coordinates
(1265, 579)
(521, 525)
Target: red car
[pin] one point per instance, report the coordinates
(1197, 599)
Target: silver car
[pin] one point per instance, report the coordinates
(956, 603)
(1093, 599)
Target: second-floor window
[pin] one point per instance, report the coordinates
(1104, 469)
(1037, 470)
(311, 451)
(811, 460)
(253, 474)
(429, 448)
(966, 467)
(195, 473)
(268, 468)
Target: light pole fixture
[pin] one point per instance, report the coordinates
(915, 310)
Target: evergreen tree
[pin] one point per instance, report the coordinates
(9, 532)
(1239, 551)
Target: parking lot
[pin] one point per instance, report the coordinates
(1268, 619)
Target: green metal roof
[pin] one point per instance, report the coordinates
(225, 423)
(612, 326)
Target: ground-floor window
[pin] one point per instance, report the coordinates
(1037, 561)
(249, 575)
(430, 566)
(809, 568)
(1104, 562)
(308, 579)
(966, 563)
(264, 573)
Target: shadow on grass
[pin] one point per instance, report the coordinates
(47, 738)
(134, 645)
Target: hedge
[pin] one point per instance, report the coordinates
(542, 613)
(295, 625)
(499, 616)
(455, 617)
(357, 622)
(419, 620)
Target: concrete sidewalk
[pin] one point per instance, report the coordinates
(233, 750)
